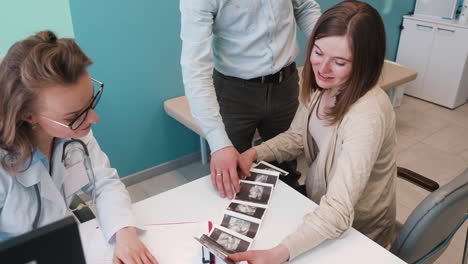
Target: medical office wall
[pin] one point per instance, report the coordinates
(21, 18)
(136, 49)
(135, 46)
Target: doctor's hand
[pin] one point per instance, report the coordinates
(276, 255)
(129, 249)
(224, 164)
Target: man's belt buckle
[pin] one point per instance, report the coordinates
(280, 79)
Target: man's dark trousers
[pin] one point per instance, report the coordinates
(247, 105)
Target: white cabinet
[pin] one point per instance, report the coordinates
(437, 49)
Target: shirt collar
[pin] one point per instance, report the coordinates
(28, 180)
(39, 156)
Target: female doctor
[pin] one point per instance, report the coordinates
(47, 98)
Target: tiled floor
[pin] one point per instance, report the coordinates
(432, 141)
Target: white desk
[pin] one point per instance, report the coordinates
(198, 201)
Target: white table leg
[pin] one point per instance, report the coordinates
(203, 150)
(396, 94)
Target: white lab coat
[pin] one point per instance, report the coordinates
(18, 202)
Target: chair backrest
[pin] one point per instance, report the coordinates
(432, 222)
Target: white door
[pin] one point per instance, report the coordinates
(414, 51)
(445, 69)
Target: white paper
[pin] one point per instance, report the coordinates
(169, 244)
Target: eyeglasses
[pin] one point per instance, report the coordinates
(79, 120)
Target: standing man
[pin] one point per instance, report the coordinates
(239, 73)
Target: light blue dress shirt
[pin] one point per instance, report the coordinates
(240, 38)
(18, 202)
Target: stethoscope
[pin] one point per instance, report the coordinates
(74, 151)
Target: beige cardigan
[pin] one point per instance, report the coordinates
(354, 183)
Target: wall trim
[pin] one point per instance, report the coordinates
(153, 172)
(160, 169)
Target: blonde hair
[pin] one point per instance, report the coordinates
(38, 61)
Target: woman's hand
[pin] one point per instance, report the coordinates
(129, 249)
(246, 159)
(276, 255)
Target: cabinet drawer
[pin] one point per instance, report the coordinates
(456, 37)
(418, 26)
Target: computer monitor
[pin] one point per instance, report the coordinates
(55, 243)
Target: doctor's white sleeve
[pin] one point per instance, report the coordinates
(112, 199)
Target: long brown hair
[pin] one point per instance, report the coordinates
(32, 64)
(365, 30)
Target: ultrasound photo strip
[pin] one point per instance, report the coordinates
(215, 248)
(254, 193)
(262, 171)
(247, 226)
(223, 242)
(246, 210)
(231, 241)
(263, 176)
(243, 216)
(263, 165)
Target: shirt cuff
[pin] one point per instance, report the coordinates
(300, 242)
(109, 232)
(218, 139)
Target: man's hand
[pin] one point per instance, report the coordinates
(129, 249)
(276, 255)
(224, 164)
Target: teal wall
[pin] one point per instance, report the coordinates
(136, 48)
(21, 18)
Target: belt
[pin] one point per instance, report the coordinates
(278, 77)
